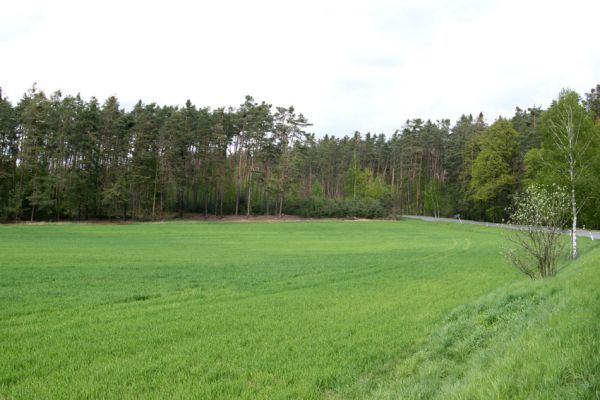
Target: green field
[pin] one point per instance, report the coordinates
(297, 310)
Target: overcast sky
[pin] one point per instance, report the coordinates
(347, 65)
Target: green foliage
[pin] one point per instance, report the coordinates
(592, 102)
(569, 153)
(541, 206)
(493, 175)
(316, 190)
(335, 208)
(554, 132)
(434, 201)
(62, 157)
(540, 215)
(8, 153)
(361, 184)
(459, 156)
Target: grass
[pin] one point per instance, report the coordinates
(307, 310)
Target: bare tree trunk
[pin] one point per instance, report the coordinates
(249, 197)
(280, 212)
(238, 183)
(400, 184)
(419, 200)
(266, 189)
(221, 195)
(154, 195)
(572, 139)
(309, 191)
(216, 198)
(180, 202)
(574, 228)
(206, 193)
(162, 202)
(249, 193)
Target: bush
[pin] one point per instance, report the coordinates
(539, 216)
(334, 208)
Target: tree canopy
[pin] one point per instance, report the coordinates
(64, 157)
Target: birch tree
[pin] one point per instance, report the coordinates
(569, 150)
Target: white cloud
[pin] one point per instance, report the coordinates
(347, 65)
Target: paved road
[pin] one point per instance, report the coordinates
(580, 232)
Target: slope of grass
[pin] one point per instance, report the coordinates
(290, 310)
(524, 340)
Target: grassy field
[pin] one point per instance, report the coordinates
(297, 310)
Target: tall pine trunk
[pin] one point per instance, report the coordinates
(249, 195)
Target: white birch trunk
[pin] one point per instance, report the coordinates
(574, 228)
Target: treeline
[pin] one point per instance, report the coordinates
(63, 157)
